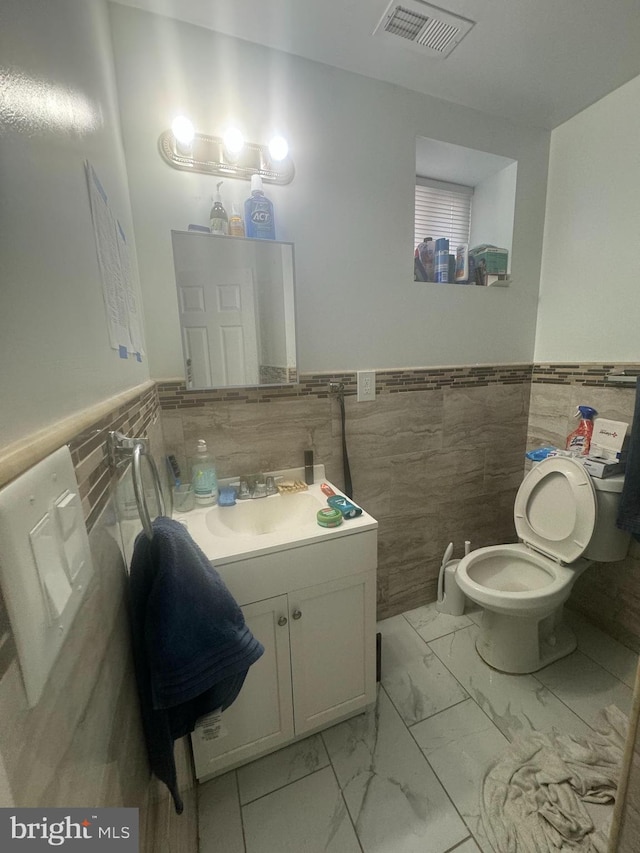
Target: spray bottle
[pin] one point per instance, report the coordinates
(579, 441)
(218, 218)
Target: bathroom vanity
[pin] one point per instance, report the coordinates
(308, 594)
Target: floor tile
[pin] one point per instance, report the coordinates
(431, 624)
(219, 821)
(475, 615)
(460, 744)
(585, 686)
(308, 816)
(515, 703)
(468, 846)
(417, 682)
(395, 800)
(600, 647)
(281, 768)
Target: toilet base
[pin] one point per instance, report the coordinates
(519, 645)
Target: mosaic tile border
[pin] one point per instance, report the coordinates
(90, 455)
(575, 373)
(174, 395)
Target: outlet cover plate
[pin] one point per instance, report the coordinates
(366, 385)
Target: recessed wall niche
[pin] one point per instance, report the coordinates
(488, 180)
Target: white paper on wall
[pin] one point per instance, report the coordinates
(134, 320)
(114, 260)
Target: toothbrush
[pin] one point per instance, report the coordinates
(174, 469)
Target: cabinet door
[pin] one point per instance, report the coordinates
(332, 628)
(261, 718)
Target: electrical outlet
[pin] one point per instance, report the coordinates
(366, 385)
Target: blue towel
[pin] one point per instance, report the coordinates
(191, 646)
(629, 508)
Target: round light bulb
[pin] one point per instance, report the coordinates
(183, 130)
(233, 141)
(278, 148)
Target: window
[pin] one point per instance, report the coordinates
(442, 210)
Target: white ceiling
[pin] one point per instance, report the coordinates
(537, 62)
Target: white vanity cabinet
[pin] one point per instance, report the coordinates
(319, 662)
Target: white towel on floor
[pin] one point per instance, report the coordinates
(533, 797)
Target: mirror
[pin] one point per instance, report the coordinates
(237, 310)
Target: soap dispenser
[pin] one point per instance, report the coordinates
(203, 476)
(218, 219)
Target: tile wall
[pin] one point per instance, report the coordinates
(608, 593)
(436, 458)
(82, 744)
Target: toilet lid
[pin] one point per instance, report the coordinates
(555, 509)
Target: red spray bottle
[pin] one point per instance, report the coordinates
(579, 441)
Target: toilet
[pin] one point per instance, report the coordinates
(566, 520)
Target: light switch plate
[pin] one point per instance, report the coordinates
(45, 563)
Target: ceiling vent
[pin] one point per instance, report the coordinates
(423, 27)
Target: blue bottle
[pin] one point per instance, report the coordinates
(442, 259)
(258, 213)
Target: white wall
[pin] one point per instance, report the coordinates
(590, 283)
(58, 107)
(349, 210)
(493, 209)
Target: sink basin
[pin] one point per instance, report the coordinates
(261, 526)
(264, 515)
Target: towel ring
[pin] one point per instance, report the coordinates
(143, 510)
(121, 450)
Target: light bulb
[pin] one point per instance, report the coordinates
(183, 130)
(278, 148)
(233, 141)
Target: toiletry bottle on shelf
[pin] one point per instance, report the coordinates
(258, 212)
(236, 225)
(425, 253)
(203, 476)
(218, 217)
(442, 260)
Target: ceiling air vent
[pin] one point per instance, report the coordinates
(426, 28)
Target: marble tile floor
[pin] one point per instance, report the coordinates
(405, 777)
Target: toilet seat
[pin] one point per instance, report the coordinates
(555, 509)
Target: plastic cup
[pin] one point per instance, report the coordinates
(184, 498)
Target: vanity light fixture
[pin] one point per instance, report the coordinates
(233, 143)
(278, 148)
(230, 156)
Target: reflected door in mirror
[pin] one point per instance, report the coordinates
(236, 310)
(218, 322)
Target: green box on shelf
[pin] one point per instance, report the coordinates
(493, 259)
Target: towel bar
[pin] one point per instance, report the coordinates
(122, 449)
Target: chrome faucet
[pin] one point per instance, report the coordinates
(254, 486)
(272, 489)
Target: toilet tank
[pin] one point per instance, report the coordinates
(607, 543)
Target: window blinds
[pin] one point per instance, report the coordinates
(442, 210)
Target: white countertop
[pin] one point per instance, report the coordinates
(232, 547)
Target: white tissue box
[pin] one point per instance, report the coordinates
(601, 468)
(608, 439)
